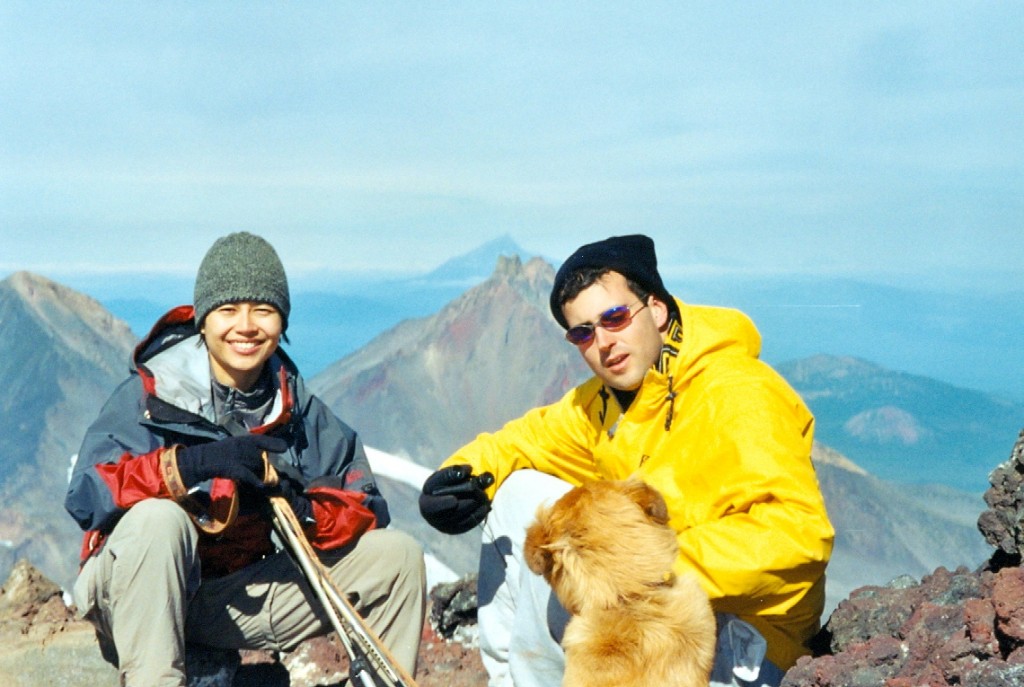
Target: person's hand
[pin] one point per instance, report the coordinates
(453, 499)
(238, 458)
(293, 492)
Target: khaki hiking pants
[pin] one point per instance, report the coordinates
(144, 594)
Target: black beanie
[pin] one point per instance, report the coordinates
(241, 267)
(631, 256)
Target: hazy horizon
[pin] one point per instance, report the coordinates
(965, 338)
(125, 281)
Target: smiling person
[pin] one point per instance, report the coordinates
(679, 398)
(169, 488)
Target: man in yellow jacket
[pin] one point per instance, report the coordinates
(680, 398)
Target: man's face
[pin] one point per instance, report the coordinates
(620, 358)
(240, 338)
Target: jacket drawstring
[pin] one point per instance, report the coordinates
(671, 404)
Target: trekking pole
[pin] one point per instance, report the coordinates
(369, 661)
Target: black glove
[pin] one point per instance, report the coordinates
(453, 499)
(239, 458)
(293, 492)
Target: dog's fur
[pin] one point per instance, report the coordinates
(607, 552)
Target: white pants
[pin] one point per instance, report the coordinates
(521, 621)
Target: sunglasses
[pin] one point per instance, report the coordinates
(612, 319)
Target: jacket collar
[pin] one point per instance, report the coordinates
(174, 367)
(692, 336)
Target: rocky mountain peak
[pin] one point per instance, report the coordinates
(820, 368)
(61, 354)
(536, 274)
(508, 265)
(427, 386)
(51, 300)
(26, 587)
(531, 282)
(824, 455)
(886, 424)
(904, 426)
(78, 322)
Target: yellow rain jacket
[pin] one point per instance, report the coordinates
(727, 442)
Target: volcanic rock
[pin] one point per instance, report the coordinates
(42, 642)
(958, 627)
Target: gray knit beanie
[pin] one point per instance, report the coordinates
(241, 267)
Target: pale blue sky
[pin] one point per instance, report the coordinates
(865, 139)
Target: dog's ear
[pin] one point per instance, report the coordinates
(536, 550)
(650, 500)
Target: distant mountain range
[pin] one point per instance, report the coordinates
(884, 531)
(427, 385)
(900, 427)
(906, 428)
(966, 339)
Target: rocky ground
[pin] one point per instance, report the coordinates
(42, 644)
(960, 627)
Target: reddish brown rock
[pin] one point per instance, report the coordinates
(957, 627)
(40, 638)
(1007, 593)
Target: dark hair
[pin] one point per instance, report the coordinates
(579, 280)
(631, 256)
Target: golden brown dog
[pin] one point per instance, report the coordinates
(607, 552)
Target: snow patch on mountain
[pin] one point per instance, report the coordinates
(405, 471)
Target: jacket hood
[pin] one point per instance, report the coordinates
(707, 329)
(174, 367)
(698, 332)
